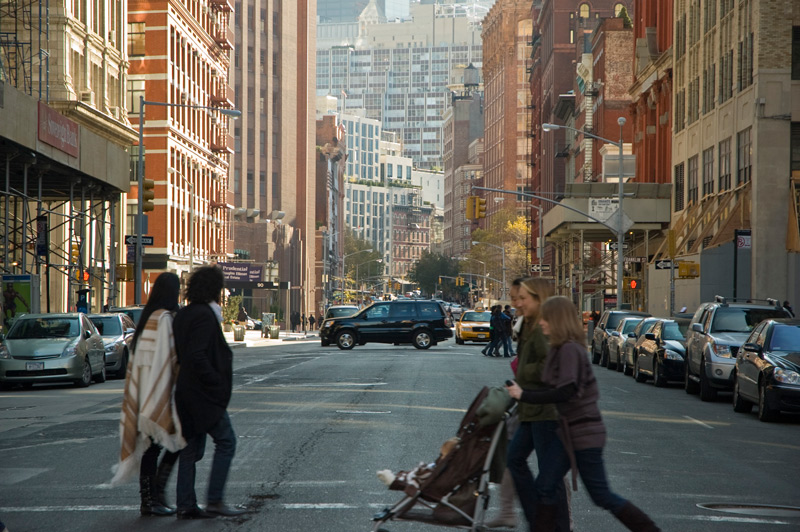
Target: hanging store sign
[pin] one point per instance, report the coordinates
(58, 131)
(234, 271)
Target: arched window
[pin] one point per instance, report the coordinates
(617, 9)
(584, 11)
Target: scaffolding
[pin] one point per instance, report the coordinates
(23, 41)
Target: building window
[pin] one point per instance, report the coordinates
(691, 198)
(743, 154)
(725, 165)
(618, 9)
(746, 62)
(796, 52)
(583, 11)
(135, 89)
(679, 187)
(708, 172)
(136, 33)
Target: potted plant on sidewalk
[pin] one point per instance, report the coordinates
(230, 311)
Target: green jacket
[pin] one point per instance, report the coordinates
(532, 355)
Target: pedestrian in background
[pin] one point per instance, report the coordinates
(311, 321)
(202, 394)
(303, 322)
(572, 386)
(788, 308)
(538, 422)
(509, 330)
(149, 420)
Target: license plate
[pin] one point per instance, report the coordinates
(34, 366)
(481, 336)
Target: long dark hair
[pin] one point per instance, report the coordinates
(163, 295)
(205, 285)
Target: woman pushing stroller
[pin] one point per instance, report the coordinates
(572, 387)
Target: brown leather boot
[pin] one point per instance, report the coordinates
(635, 519)
(507, 518)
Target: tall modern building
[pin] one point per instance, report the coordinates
(274, 162)
(349, 10)
(399, 73)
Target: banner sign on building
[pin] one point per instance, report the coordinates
(58, 131)
(241, 271)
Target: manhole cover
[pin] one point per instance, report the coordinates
(763, 510)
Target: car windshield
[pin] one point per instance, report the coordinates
(741, 320)
(785, 338)
(672, 331)
(107, 326)
(44, 328)
(341, 312)
(630, 325)
(476, 316)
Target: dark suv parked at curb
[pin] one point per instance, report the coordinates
(419, 322)
(608, 322)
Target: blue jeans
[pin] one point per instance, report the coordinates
(495, 344)
(541, 436)
(509, 349)
(591, 469)
(224, 449)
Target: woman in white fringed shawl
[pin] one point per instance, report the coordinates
(149, 421)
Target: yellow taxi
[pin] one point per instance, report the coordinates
(473, 326)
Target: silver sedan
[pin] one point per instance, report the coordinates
(117, 330)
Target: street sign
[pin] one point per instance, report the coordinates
(613, 246)
(664, 265)
(535, 268)
(635, 259)
(146, 240)
(131, 256)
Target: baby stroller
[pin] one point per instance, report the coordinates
(454, 490)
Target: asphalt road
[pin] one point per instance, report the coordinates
(315, 424)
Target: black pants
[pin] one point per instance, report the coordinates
(149, 465)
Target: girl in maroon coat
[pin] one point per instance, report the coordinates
(573, 389)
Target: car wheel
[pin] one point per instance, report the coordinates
(609, 364)
(345, 340)
(637, 374)
(101, 377)
(323, 343)
(707, 392)
(123, 366)
(422, 339)
(765, 413)
(689, 385)
(619, 367)
(595, 356)
(86, 374)
(626, 369)
(604, 356)
(740, 404)
(658, 378)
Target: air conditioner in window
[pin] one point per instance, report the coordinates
(87, 97)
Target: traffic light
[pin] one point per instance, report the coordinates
(634, 283)
(440, 280)
(480, 208)
(75, 253)
(148, 195)
(471, 208)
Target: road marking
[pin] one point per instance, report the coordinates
(706, 425)
(331, 384)
(58, 442)
(726, 519)
(95, 508)
(770, 444)
(319, 506)
(621, 389)
(363, 411)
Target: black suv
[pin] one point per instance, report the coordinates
(422, 323)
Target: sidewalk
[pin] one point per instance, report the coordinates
(254, 338)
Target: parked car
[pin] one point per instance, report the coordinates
(133, 312)
(339, 311)
(607, 323)
(630, 347)
(52, 348)
(612, 358)
(419, 322)
(117, 330)
(661, 353)
(473, 326)
(716, 332)
(456, 309)
(767, 369)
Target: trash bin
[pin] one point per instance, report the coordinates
(274, 331)
(238, 333)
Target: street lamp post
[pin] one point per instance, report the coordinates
(357, 278)
(137, 280)
(191, 216)
(484, 270)
(344, 258)
(620, 229)
(503, 249)
(540, 243)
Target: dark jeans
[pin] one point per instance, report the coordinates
(591, 469)
(509, 347)
(224, 449)
(539, 435)
(497, 341)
